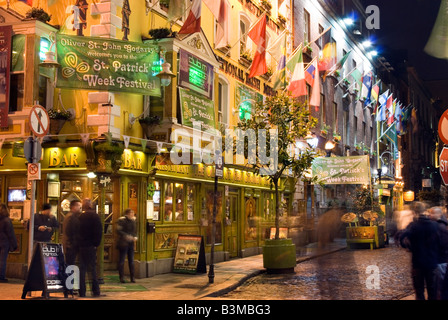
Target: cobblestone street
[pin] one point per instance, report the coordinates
(338, 276)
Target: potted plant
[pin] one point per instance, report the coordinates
(108, 155)
(246, 58)
(38, 14)
(161, 33)
(148, 124)
(324, 130)
(58, 119)
(281, 19)
(292, 121)
(336, 137)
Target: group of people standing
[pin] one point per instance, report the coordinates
(81, 235)
(426, 236)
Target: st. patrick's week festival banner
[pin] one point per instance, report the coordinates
(342, 170)
(106, 64)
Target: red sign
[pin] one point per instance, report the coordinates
(5, 63)
(444, 165)
(443, 127)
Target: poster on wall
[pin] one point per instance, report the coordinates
(108, 64)
(195, 107)
(190, 254)
(342, 170)
(5, 63)
(195, 74)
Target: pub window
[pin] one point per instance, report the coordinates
(324, 111)
(319, 41)
(179, 191)
(169, 195)
(306, 27)
(244, 29)
(156, 200)
(17, 73)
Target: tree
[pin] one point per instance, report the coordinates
(280, 122)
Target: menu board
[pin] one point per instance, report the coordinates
(190, 254)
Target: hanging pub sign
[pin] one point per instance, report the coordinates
(107, 64)
(342, 170)
(195, 74)
(5, 63)
(47, 270)
(195, 107)
(190, 254)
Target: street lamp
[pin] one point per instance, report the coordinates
(329, 146)
(165, 75)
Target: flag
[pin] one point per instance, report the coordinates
(280, 74)
(366, 88)
(297, 85)
(277, 48)
(437, 45)
(389, 110)
(329, 54)
(220, 10)
(310, 74)
(382, 100)
(391, 135)
(398, 118)
(374, 96)
(258, 35)
(357, 77)
(315, 92)
(193, 22)
(337, 66)
(406, 115)
(414, 120)
(28, 2)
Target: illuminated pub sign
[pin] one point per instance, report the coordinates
(195, 74)
(245, 99)
(108, 64)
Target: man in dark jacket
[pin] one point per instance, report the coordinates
(437, 215)
(90, 235)
(422, 238)
(70, 235)
(127, 235)
(45, 224)
(8, 241)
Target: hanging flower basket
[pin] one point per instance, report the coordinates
(148, 124)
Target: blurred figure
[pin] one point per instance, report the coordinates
(90, 235)
(402, 219)
(127, 236)
(436, 214)
(328, 226)
(70, 235)
(8, 241)
(421, 237)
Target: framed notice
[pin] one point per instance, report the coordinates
(195, 74)
(190, 254)
(195, 107)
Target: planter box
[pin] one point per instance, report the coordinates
(279, 256)
(372, 235)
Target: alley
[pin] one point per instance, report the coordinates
(343, 275)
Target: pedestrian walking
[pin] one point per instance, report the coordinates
(45, 224)
(8, 241)
(127, 236)
(70, 232)
(437, 215)
(90, 235)
(421, 237)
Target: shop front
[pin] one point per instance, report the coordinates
(183, 204)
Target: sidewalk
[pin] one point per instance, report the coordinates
(176, 286)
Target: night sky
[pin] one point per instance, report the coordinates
(405, 27)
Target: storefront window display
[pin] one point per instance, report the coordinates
(177, 199)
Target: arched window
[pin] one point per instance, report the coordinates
(223, 101)
(244, 29)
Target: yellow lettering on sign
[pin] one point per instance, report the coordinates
(54, 158)
(1, 159)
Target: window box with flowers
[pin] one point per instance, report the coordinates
(148, 123)
(246, 58)
(58, 119)
(336, 137)
(324, 130)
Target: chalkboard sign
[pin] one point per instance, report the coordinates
(190, 254)
(47, 270)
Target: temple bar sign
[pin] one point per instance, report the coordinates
(342, 170)
(107, 64)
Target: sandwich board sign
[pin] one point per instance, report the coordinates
(47, 270)
(190, 254)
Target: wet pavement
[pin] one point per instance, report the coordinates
(381, 274)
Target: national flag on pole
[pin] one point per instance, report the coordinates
(337, 66)
(28, 2)
(313, 70)
(366, 87)
(391, 135)
(176, 10)
(398, 118)
(220, 10)
(280, 57)
(258, 35)
(193, 22)
(437, 45)
(329, 53)
(374, 96)
(382, 100)
(297, 85)
(389, 110)
(310, 73)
